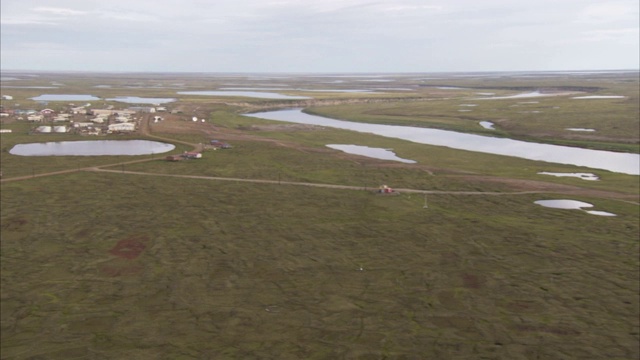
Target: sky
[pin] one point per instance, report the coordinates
(319, 36)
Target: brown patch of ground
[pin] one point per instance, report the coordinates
(131, 247)
(547, 329)
(472, 281)
(14, 223)
(115, 269)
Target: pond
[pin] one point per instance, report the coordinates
(92, 148)
(65, 97)
(606, 160)
(583, 176)
(572, 205)
(598, 97)
(252, 94)
(377, 153)
(517, 96)
(487, 125)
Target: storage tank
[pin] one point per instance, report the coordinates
(60, 129)
(44, 129)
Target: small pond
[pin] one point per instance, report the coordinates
(517, 96)
(487, 125)
(572, 205)
(598, 97)
(377, 153)
(65, 97)
(583, 176)
(92, 148)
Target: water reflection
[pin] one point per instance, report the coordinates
(252, 94)
(65, 97)
(583, 176)
(92, 148)
(487, 125)
(139, 100)
(572, 205)
(377, 153)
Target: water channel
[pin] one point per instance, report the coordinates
(606, 160)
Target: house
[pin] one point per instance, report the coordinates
(145, 109)
(122, 127)
(192, 155)
(62, 117)
(82, 124)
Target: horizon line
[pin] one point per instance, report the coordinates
(317, 72)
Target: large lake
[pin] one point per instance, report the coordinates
(92, 148)
(65, 97)
(251, 94)
(139, 100)
(605, 160)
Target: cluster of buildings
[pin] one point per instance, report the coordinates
(213, 144)
(80, 120)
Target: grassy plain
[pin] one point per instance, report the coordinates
(108, 265)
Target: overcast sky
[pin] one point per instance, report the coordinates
(319, 35)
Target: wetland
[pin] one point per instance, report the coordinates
(279, 246)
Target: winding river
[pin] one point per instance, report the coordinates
(597, 159)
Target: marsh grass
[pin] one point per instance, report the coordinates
(272, 270)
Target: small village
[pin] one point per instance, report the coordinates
(84, 120)
(81, 120)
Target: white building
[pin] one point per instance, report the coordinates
(122, 127)
(35, 117)
(7, 97)
(82, 124)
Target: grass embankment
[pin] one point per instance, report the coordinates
(246, 270)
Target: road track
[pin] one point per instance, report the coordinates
(145, 130)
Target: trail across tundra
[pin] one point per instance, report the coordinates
(329, 186)
(537, 187)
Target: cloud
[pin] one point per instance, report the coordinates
(127, 16)
(405, 8)
(609, 12)
(630, 34)
(318, 35)
(59, 11)
(41, 15)
(30, 20)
